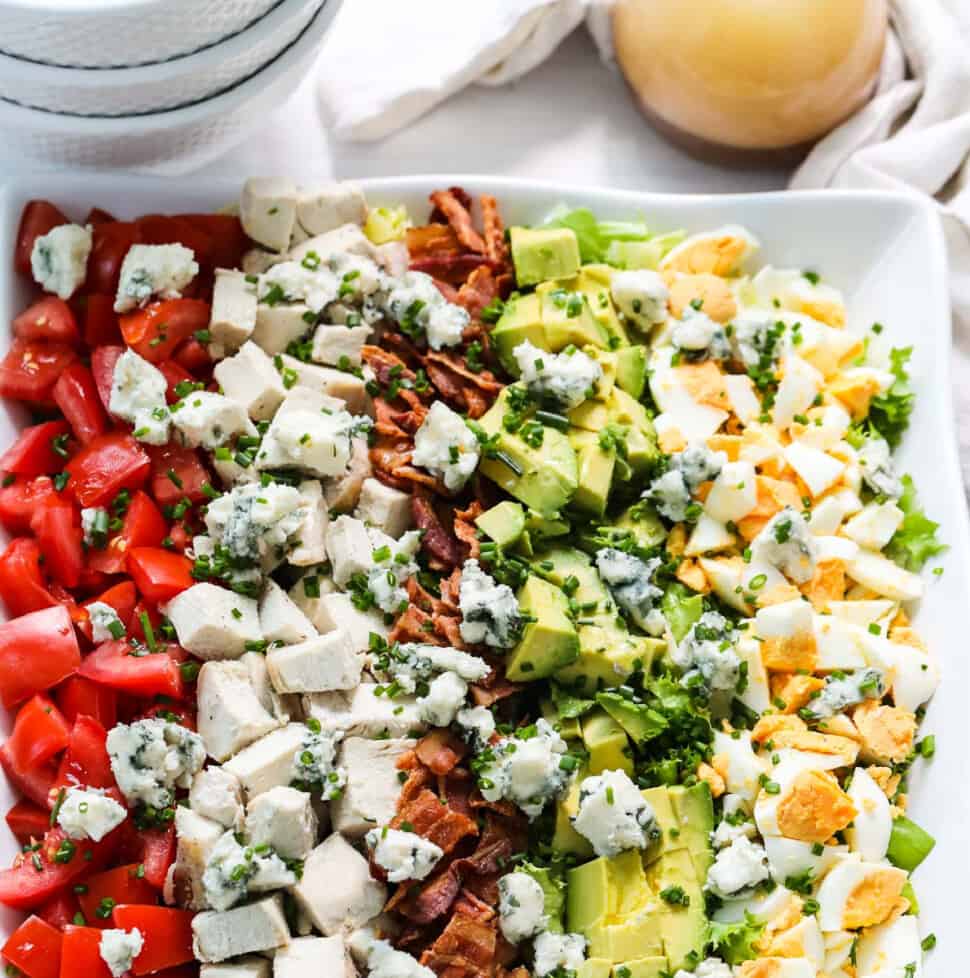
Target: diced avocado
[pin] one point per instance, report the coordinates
(504, 523)
(652, 967)
(590, 416)
(607, 657)
(520, 320)
(628, 410)
(685, 933)
(543, 253)
(607, 744)
(543, 478)
(596, 466)
(639, 936)
(539, 527)
(642, 521)
(523, 546)
(607, 362)
(631, 370)
(671, 837)
(568, 319)
(590, 895)
(568, 727)
(572, 570)
(694, 810)
(594, 281)
(682, 609)
(641, 450)
(565, 838)
(683, 924)
(550, 640)
(639, 721)
(594, 968)
(554, 890)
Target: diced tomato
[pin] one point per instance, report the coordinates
(109, 247)
(28, 821)
(49, 320)
(29, 370)
(33, 783)
(39, 732)
(57, 525)
(180, 713)
(33, 452)
(99, 216)
(76, 394)
(103, 360)
(181, 536)
(193, 356)
(121, 885)
(34, 948)
(159, 574)
(100, 321)
(37, 651)
(105, 466)
(78, 697)
(86, 761)
(22, 584)
(177, 473)
(113, 665)
(155, 850)
(122, 598)
(25, 886)
(143, 526)
(60, 910)
(19, 500)
(81, 954)
(167, 933)
(38, 217)
(172, 229)
(175, 374)
(145, 611)
(155, 331)
(228, 240)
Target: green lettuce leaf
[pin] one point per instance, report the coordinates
(889, 413)
(567, 705)
(735, 941)
(681, 608)
(915, 541)
(595, 237)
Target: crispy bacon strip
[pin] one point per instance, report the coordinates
(452, 269)
(414, 625)
(495, 246)
(437, 542)
(478, 290)
(434, 821)
(465, 949)
(441, 751)
(432, 239)
(459, 216)
(467, 532)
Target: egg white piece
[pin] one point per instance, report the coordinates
(695, 421)
(912, 674)
(838, 949)
(744, 767)
(749, 245)
(828, 515)
(887, 950)
(757, 694)
(838, 645)
(791, 857)
(863, 613)
(764, 906)
(816, 468)
(886, 578)
(708, 536)
(804, 940)
(870, 830)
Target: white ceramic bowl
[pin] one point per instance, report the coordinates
(182, 138)
(118, 33)
(158, 87)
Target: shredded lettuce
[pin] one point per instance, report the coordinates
(643, 254)
(735, 942)
(915, 541)
(889, 413)
(681, 608)
(595, 237)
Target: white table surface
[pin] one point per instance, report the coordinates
(572, 119)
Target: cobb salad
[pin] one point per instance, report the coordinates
(451, 599)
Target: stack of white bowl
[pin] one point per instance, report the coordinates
(147, 82)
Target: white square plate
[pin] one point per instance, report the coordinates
(884, 251)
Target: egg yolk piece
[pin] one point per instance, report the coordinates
(814, 808)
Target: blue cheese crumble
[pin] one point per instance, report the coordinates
(521, 907)
(641, 295)
(552, 951)
(412, 665)
(418, 306)
(315, 763)
(403, 855)
(444, 698)
(707, 657)
(845, 690)
(688, 471)
(787, 543)
(151, 271)
(476, 725)
(119, 948)
(699, 337)
(138, 397)
(89, 813)
(489, 611)
(566, 379)
(446, 446)
(877, 468)
(628, 579)
(59, 259)
(234, 869)
(738, 869)
(383, 961)
(613, 815)
(105, 623)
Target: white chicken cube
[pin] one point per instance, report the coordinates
(874, 527)
(335, 383)
(312, 548)
(213, 622)
(209, 420)
(233, 316)
(343, 491)
(349, 548)
(230, 714)
(280, 619)
(337, 891)
(258, 261)
(247, 967)
(279, 325)
(282, 818)
(267, 210)
(258, 926)
(308, 592)
(325, 207)
(250, 379)
(370, 795)
(310, 957)
(273, 703)
(231, 473)
(154, 270)
(339, 346)
(363, 713)
(346, 239)
(384, 507)
(268, 763)
(217, 795)
(197, 837)
(321, 664)
(337, 611)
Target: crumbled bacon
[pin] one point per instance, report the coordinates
(436, 542)
(495, 246)
(433, 238)
(465, 949)
(441, 751)
(467, 532)
(457, 211)
(434, 821)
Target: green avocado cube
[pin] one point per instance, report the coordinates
(631, 370)
(543, 253)
(549, 642)
(607, 743)
(568, 320)
(504, 523)
(521, 320)
(596, 465)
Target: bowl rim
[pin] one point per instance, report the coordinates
(196, 112)
(179, 66)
